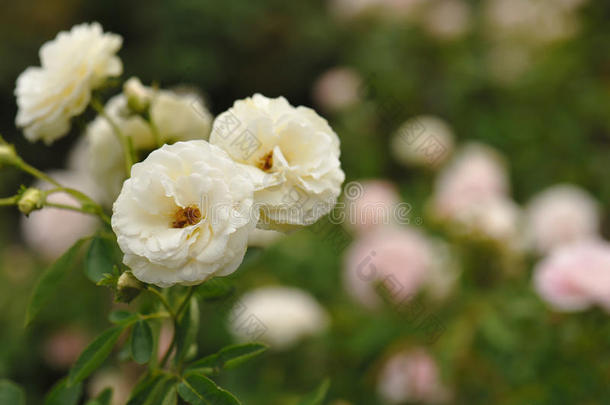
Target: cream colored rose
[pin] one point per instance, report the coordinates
(425, 140)
(280, 316)
(177, 117)
(291, 153)
(184, 215)
(72, 65)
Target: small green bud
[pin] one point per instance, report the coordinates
(8, 156)
(30, 200)
(138, 96)
(128, 287)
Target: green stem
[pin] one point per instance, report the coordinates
(189, 294)
(181, 308)
(8, 201)
(88, 207)
(155, 132)
(126, 142)
(36, 173)
(163, 300)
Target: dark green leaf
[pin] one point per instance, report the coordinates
(188, 326)
(63, 394)
(94, 355)
(155, 390)
(141, 342)
(50, 280)
(317, 397)
(120, 316)
(199, 390)
(142, 390)
(11, 393)
(104, 398)
(100, 259)
(215, 289)
(229, 357)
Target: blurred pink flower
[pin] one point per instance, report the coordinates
(561, 214)
(337, 89)
(120, 380)
(51, 231)
(348, 9)
(411, 376)
(575, 276)
(475, 175)
(447, 19)
(397, 258)
(370, 204)
(62, 348)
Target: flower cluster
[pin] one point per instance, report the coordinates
(184, 214)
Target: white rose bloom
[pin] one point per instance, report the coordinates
(561, 214)
(184, 215)
(280, 316)
(72, 65)
(291, 153)
(177, 118)
(51, 231)
(424, 140)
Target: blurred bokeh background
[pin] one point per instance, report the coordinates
(530, 79)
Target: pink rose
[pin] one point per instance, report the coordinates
(374, 203)
(397, 258)
(411, 376)
(576, 276)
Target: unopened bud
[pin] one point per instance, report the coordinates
(138, 96)
(31, 199)
(128, 287)
(8, 156)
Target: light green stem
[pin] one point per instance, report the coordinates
(126, 142)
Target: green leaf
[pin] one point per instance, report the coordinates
(142, 390)
(155, 390)
(64, 394)
(11, 393)
(199, 390)
(104, 398)
(317, 397)
(120, 316)
(100, 259)
(94, 354)
(50, 280)
(188, 326)
(141, 342)
(229, 357)
(215, 289)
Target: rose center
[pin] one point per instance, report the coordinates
(186, 216)
(266, 162)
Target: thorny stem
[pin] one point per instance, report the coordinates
(126, 142)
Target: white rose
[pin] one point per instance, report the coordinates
(280, 316)
(291, 153)
(561, 214)
(177, 118)
(72, 65)
(184, 215)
